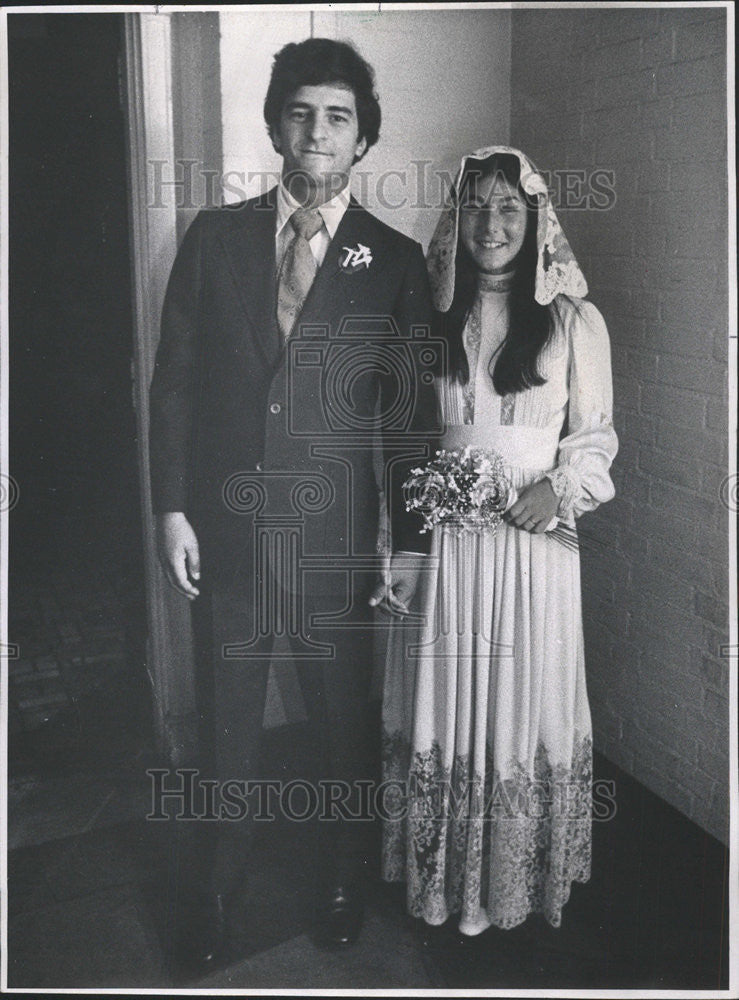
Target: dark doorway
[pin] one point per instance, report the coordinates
(78, 694)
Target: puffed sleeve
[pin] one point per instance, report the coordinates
(581, 478)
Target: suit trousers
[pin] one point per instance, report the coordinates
(212, 855)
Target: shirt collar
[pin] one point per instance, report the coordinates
(331, 211)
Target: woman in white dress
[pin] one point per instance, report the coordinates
(487, 752)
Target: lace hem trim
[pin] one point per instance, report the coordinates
(492, 849)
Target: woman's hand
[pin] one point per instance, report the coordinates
(535, 508)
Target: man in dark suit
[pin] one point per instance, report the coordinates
(293, 341)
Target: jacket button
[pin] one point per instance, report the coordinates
(259, 467)
(275, 408)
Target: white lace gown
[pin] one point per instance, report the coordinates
(487, 749)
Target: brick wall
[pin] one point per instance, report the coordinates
(642, 93)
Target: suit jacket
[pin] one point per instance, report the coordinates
(245, 427)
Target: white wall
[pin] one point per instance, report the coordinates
(249, 40)
(443, 77)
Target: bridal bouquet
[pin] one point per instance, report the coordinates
(468, 490)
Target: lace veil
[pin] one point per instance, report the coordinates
(557, 271)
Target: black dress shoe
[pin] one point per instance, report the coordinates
(339, 917)
(200, 943)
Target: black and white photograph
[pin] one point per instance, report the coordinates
(368, 499)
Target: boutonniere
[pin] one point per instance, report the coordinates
(354, 258)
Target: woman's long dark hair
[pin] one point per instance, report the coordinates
(530, 324)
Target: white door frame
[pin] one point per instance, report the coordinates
(148, 104)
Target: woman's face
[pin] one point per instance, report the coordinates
(492, 225)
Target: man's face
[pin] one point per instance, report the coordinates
(318, 136)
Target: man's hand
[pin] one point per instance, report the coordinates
(178, 552)
(535, 508)
(396, 590)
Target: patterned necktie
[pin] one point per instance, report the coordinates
(298, 268)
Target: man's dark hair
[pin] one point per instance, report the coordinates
(317, 61)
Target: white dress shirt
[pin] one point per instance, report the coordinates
(332, 212)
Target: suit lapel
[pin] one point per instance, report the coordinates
(250, 249)
(334, 287)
